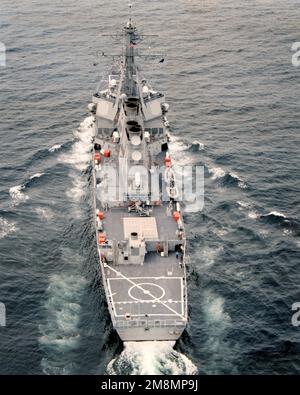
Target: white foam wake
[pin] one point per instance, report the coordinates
(252, 214)
(243, 204)
(55, 147)
(214, 310)
(77, 191)
(44, 213)
(176, 147)
(241, 183)
(275, 214)
(17, 195)
(63, 310)
(60, 331)
(151, 358)
(79, 158)
(6, 227)
(216, 323)
(80, 154)
(217, 172)
(197, 145)
(208, 256)
(36, 175)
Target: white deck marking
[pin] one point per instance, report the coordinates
(142, 226)
(143, 290)
(182, 297)
(145, 301)
(111, 297)
(148, 315)
(144, 278)
(163, 292)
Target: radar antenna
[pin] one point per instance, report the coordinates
(131, 39)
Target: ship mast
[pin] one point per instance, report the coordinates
(131, 38)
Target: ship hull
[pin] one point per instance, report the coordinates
(139, 224)
(170, 333)
(164, 325)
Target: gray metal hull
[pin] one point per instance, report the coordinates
(139, 230)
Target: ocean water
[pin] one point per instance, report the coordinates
(231, 86)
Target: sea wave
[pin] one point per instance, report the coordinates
(214, 309)
(60, 333)
(243, 204)
(196, 146)
(80, 154)
(177, 145)
(282, 220)
(77, 191)
(216, 324)
(216, 172)
(55, 147)
(209, 255)
(17, 194)
(44, 213)
(151, 358)
(253, 215)
(238, 179)
(6, 227)
(79, 158)
(227, 178)
(274, 214)
(276, 217)
(36, 175)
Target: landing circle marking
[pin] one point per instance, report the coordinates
(155, 290)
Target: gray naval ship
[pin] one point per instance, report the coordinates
(138, 216)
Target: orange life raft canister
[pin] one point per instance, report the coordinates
(168, 162)
(176, 215)
(102, 238)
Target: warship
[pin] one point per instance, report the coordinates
(138, 215)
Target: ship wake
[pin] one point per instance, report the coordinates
(151, 358)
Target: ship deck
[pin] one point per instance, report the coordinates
(113, 223)
(154, 289)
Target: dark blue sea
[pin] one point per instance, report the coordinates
(229, 80)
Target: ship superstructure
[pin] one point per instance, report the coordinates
(139, 227)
